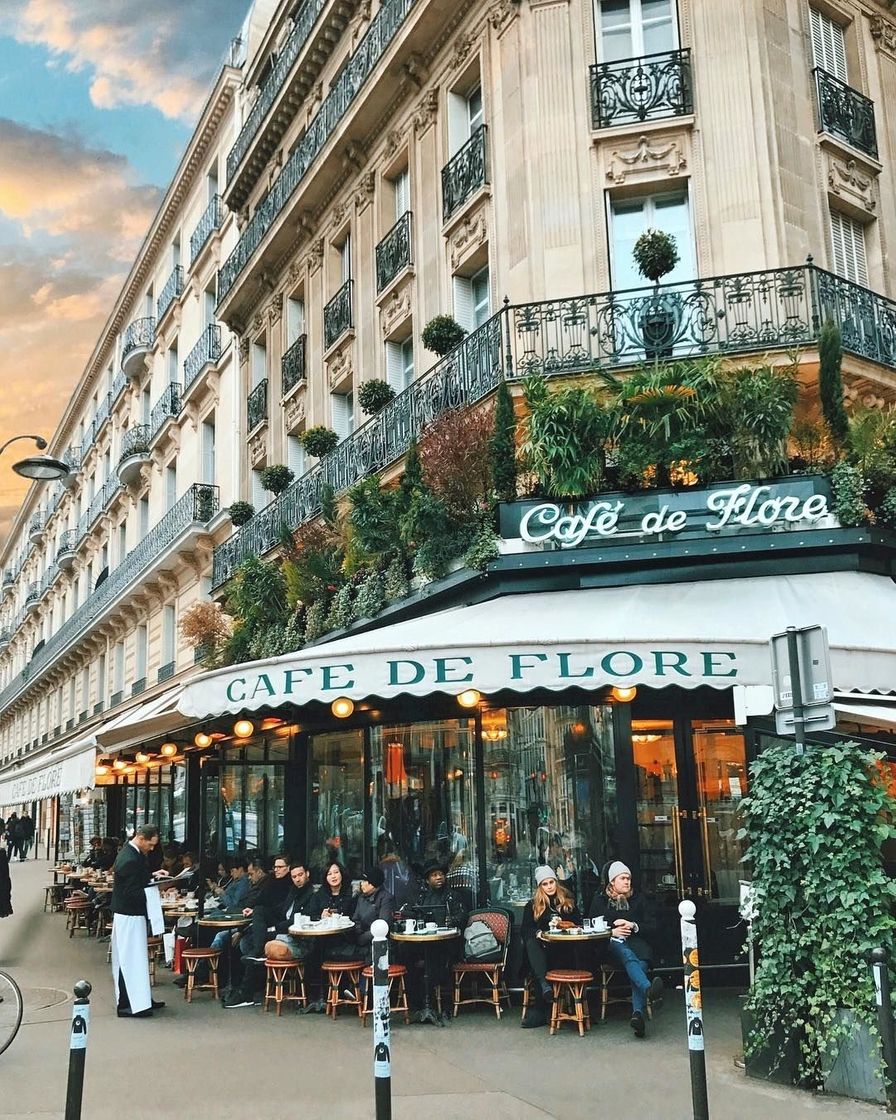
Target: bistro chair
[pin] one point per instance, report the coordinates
(284, 981)
(79, 913)
(153, 949)
(398, 993)
(615, 987)
(570, 1003)
(343, 976)
(53, 898)
(500, 922)
(191, 959)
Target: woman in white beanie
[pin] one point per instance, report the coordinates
(629, 919)
(550, 900)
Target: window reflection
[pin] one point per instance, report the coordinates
(656, 805)
(336, 800)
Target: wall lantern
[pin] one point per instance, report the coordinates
(469, 698)
(624, 695)
(102, 769)
(201, 740)
(494, 725)
(119, 764)
(142, 757)
(169, 749)
(342, 707)
(243, 728)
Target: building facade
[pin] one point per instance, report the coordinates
(388, 162)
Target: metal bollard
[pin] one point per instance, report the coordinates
(693, 1006)
(885, 1023)
(382, 1059)
(77, 1050)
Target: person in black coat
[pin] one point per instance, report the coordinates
(550, 901)
(5, 886)
(130, 963)
(629, 918)
(373, 903)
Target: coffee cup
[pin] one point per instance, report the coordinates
(431, 926)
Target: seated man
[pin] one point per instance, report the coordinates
(232, 899)
(437, 902)
(282, 946)
(189, 876)
(629, 918)
(266, 898)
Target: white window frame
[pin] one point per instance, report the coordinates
(636, 25)
(401, 189)
(342, 413)
(400, 363)
(650, 221)
(828, 44)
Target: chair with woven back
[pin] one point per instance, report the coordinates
(494, 990)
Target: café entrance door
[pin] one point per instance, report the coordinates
(690, 777)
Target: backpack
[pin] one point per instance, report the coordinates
(480, 944)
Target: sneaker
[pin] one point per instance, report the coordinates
(238, 1001)
(637, 1024)
(347, 993)
(656, 990)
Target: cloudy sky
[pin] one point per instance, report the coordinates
(97, 102)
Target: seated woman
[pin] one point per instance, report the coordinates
(629, 918)
(550, 900)
(335, 895)
(373, 903)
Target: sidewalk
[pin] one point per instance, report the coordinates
(244, 1063)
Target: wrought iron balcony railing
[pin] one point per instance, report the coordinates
(464, 173)
(166, 408)
(641, 89)
(749, 312)
(206, 352)
(32, 593)
(103, 408)
(119, 383)
(174, 285)
(9, 578)
(139, 335)
(36, 524)
(272, 85)
(135, 441)
(845, 113)
(208, 223)
(292, 364)
(380, 33)
(166, 671)
(257, 405)
(72, 457)
(338, 315)
(67, 543)
(198, 506)
(394, 252)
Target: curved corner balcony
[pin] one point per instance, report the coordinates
(136, 343)
(134, 454)
(36, 527)
(32, 596)
(66, 550)
(5, 637)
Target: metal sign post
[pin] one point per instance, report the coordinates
(885, 1023)
(803, 683)
(77, 1050)
(382, 1059)
(693, 1009)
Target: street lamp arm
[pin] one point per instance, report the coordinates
(38, 440)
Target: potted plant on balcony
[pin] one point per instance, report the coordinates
(275, 479)
(240, 512)
(821, 901)
(319, 441)
(565, 433)
(656, 254)
(205, 503)
(374, 395)
(204, 626)
(442, 334)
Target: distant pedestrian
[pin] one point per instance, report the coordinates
(12, 834)
(26, 834)
(130, 960)
(5, 886)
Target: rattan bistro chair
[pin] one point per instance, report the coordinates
(500, 922)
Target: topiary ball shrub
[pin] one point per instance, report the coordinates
(241, 512)
(374, 395)
(656, 254)
(442, 334)
(319, 441)
(276, 478)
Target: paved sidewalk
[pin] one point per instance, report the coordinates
(202, 1060)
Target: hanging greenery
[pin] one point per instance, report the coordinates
(815, 824)
(371, 597)
(455, 459)
(316, 620)
(375, 518)
(502, 447)
(395, 584)
(341, 610)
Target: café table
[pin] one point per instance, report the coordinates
(426, 939)
(319, 929)
(575, 936)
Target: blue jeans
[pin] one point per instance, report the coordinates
(620, 954)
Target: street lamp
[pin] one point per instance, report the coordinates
(40, 468)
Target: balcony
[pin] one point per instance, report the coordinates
(206, 352)
(464, 174)
(166, 672)
(778, 309)
(136, 343)
(174, 285)
(292, 365)
(103, 409)
(72, 459)
(166, 408)
(47, 582)
(208, 223)
(134, 454)
(257, 405)
(393, 254)
(180, 526)
(36, 526)
(32, 595)
(5, 637)
(353, 77)
(119, 384)
(634, 90)
(98, 503)
(9, 578)
(845, 113)
(66, 550)
(138, 686)
(338, 315)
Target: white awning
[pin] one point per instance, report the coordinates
(712, 633)
(863, 710)
(64, 770)
(145, 721)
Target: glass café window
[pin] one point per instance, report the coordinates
(656, 806)
(422, 803)
(720, 756)
(251, 798)
(550, 797)
(336, 800)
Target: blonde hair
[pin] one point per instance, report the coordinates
(541, 901)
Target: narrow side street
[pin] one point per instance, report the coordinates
(202, 1060)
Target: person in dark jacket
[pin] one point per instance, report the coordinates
(373, 903)
(629, 918)
(437, 902)
(266, 897)
(12, 834)
(5, 886)
(26, 833)
(130, 963)
(550, 903)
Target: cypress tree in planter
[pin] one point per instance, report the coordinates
(815, 825)
(503, 446)
(830, 383)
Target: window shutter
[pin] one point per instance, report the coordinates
(394, 371)
(402, 193)
(848, 248)
(463, 301)
(339, 410)
(828, 44)
(295, 456)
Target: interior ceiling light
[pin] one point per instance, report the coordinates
(469, 698)
(624, 695)
(270, 722)
(202, 740)
(142, 757)
(342, 707)
(119, 764)
(243, 728)
(101, 769)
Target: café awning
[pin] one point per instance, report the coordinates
(145, 721)
(867, 711)
(710, 633)
(69, 768)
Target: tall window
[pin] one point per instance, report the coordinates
(295, 319)
(466, 112)
(401, 188)
(171, 484)
(828, 44)
(141, 652)
(208, 449)
(400, 363)
(145, 405)
(345, 259)
(848, 248)
(209, 301)
(169, 619)
(472, 304)
(633, 28)
(259, 496)
(101, 678)
(119, 667)
(342, 411)
(629, 217)
(295, 455)
(173, 364)
(259, 361)
(143, 516)
(122, 542)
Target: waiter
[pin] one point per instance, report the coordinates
(130, 959)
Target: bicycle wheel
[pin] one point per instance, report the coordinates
(10, 1010)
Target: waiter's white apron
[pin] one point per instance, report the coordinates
(130, 957)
